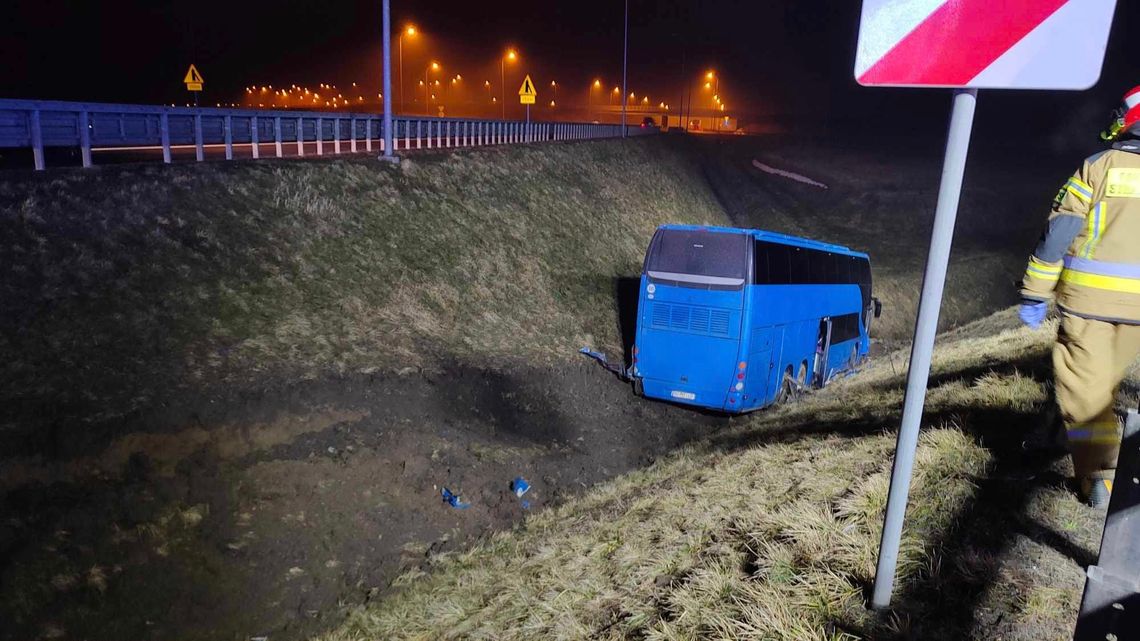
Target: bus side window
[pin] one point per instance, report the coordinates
(760, 264)
(863, 272)
(779, 264)
(801, 265)
(818, 268)
(847, 269)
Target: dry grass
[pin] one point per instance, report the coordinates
(125, 285)
(769, 529)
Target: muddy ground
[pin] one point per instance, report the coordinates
(261, 515)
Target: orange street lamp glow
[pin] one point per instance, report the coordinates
(458, 77)
(411, 30)
(511, 54)
(435, 66)
(708, 85)
(709, 75)
(551, 103)
(597, 83)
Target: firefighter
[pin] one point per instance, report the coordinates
(1088, 262)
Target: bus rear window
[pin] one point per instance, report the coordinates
(699, 257)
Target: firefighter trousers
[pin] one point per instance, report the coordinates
(1090, 359)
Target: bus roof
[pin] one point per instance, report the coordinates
(771, 236)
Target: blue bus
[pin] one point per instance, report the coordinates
(735, 319)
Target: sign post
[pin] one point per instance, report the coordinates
(194, 82)
(963, 45)
(527, 95)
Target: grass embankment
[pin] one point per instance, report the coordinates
(880, 198)
(770, 531)
(125, 288)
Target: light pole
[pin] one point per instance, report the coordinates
(434, 66)
(624, 65)
(409, 31)
(386, 83)
(590, 96)
(615, 92)
(510, 55)
(554, 86)
(454, 91)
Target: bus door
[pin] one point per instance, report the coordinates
(823, 352)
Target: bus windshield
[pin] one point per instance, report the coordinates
(699, 258)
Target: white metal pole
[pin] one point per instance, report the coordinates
(227, 122)
(926, 327)
(277, 135)
(164, 132)
(199, 150)
(254, 138)
(85, 138)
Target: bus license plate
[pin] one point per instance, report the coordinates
(688, 396)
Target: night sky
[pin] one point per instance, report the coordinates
(791, 57)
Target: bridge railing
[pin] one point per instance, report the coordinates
(40, 124)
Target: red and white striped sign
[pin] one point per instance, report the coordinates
(983, 44)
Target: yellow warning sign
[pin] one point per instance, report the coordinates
(527, 94)
(193, 79)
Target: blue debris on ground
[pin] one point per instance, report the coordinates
(453, 500)
(519, 486)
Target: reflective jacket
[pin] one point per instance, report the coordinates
(1089, 257)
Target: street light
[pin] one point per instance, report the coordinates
(512, 56)
(597, 84)
(434, 66)
(409, 31)
(613, 94)
(554, 86)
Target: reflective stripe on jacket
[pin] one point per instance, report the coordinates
(1089, 256)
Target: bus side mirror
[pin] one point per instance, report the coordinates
(878, 307)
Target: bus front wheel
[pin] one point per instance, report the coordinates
(638, 387)
(786, 383)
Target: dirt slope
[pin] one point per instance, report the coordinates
(232, 393)
(769, 529)
(242, 385)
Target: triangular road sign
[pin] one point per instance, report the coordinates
(527, 92)
(193, 79)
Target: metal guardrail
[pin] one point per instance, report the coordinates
(38, 124)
